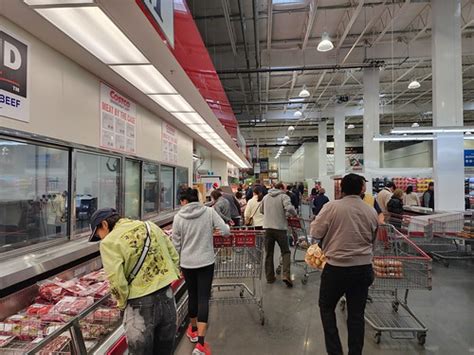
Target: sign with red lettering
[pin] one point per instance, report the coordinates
(169, 143)
(118, 117)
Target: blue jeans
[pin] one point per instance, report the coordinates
(150, 323)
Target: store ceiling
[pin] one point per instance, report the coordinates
(260, 77)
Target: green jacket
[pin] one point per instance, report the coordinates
(121, 249)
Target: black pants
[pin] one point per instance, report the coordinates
(273, 236)
(150, 323)
(199, 282)
(354, 282)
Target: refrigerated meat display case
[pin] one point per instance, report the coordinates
(66, 318)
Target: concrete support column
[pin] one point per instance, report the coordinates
(322, 151)
(311, 163)
(339, 141)
(448, 156)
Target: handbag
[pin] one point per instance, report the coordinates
(249, 221)
(141, 259)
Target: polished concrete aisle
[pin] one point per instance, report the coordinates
(293, 325)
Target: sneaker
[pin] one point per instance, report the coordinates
(288, 282)
(202, 350)
(193, 336)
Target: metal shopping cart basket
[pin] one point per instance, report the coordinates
(399, 264)
(441, 236)
(301, 242)
(238, 269)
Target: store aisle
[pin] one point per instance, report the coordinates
(294, 327)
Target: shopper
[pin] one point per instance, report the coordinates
(319, 201)
(249, 193)
(253, 215)
(234, 206)
(222, 206)
(384, 196)
(293, 198)
(242, 201)
(301, 188)
(395, 208)
(411, 198)
(298, 197)
(347, 228)
(315, 190)
(370, 200)
(276, 207)
(140, 263)
(428, 196)
(193, 228)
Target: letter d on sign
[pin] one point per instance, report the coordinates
(11, 56)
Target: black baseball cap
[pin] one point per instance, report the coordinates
(97, 218)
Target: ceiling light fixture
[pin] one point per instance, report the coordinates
(304, 93)
(414, 84)
(415, 124)
(325, 45)
(447, 129)
(298, 113)
(285, 138)
(91, 28)
(291, 129)
(398, 138)
(145, 78)
(351, 126)
(172, 103)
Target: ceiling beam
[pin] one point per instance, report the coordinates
(351, 15)
(388, 18)
(313, 7)
(269, 23)
(230, 28)
(420, 21)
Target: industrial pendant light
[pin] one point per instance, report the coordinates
(304, 92)
(298, 113)
(414, 84)
(291, 129)
(325, 45)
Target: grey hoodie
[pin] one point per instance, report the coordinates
(193, 228)
(276, 208)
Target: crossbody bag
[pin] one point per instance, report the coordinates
(249, 221)
(143, 255)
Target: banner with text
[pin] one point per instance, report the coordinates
(169, 143)
(118, 118)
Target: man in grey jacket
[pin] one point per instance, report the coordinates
(276, 208)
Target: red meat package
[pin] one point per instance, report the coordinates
(73, 305)
(26, 330)
(60, 345)
(104, 315)
(51, 291)
(38, 309)
(93, 331)
(102, 289)
(95, 276)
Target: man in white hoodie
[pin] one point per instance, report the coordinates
(276, 208)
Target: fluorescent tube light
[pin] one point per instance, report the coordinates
(57, 2)
(94, 30)
(172, 103)
(447, 129)
(395, 138)
(189, 118)
(145, 78)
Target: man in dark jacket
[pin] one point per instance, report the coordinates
(293, 196)
(249, 193)
(319, 201)
(234, 207)
(428, 196)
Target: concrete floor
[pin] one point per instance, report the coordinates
(293, 325)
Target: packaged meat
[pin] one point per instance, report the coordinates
(104, 315)
(38, 309)
(93, 331)
(16, 318)
(95, 276)
(9, 328)
(59, 345)
(26, 330)
(52, 292)
(51, 329)
(103, 289)
(73, 305)
(5, 340)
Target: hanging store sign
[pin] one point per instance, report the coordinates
(469, 157)
(118, 119)
(14, 61)
(160, 13)
(169, 143)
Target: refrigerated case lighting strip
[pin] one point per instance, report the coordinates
(91, 28)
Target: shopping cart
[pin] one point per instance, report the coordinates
(301, 242)
(399, 265)
(238, 274)
(442, 236)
